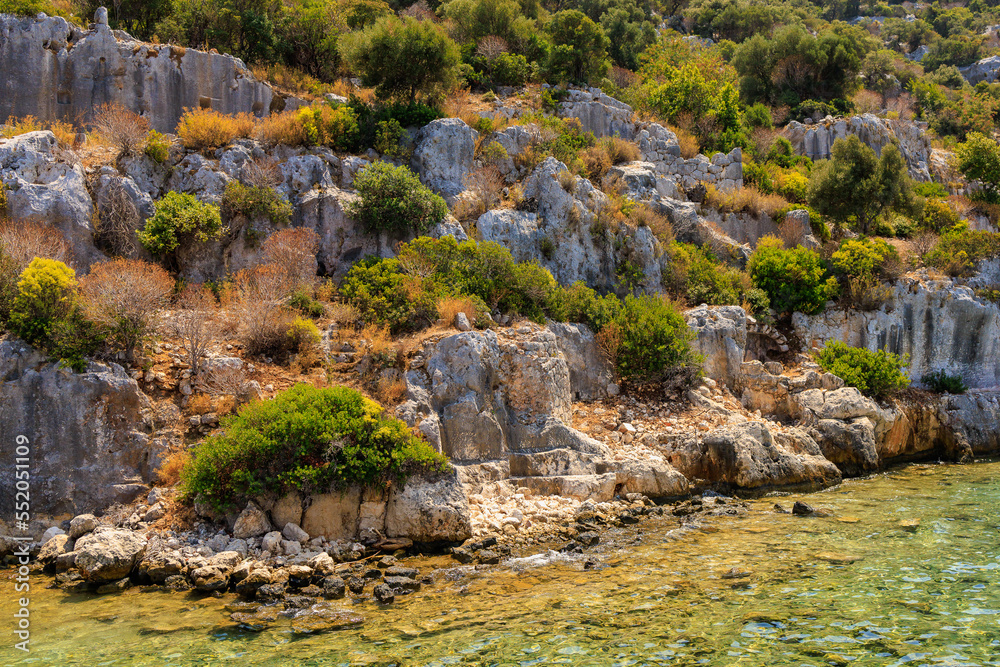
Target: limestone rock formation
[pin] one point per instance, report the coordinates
(598, 113)
(721, 337)
(816, 140)
(563, 233)
(44, 183)
(57, 71)
(108, 555)
(986, 70)
(660, 147)
(425, 510)
(90, 433)
(444, 155)
(753, 456)
(490, 396)
(940, 325)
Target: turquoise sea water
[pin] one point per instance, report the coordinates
(764, 589)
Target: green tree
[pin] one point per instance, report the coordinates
(629, 33)
(392, 199)
(856, 184)
(979, 160)
(403, 57)
(579, 48)
(309, 34)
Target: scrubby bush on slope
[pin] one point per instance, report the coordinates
(307, 439)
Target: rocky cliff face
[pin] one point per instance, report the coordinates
(940, 325)
(91, 434)
(816, 140)
(56, 71)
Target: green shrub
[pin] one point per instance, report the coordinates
(45, 313)
(253, 202)
(653, 342)
(303, 333)
(942, 383)
(392, 199)
(157, 147)
(875, 374)
(959, 249)
(180, 218)
(390, 138)
(930, 189)
(794, 280)
(864, 258)
(307, 439)
(938, 216)
(384, 294)
(512, 69)
(326, 125)
(695, 275)
(302, 301)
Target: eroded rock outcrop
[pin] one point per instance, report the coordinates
(598, 113)
(940, 325)
(816, 140)
(54, 70)
(564, 233)
(46, 184)
(90, 434)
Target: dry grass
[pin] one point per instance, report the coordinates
(263, 172)
(291, 80)
(867, 101)
(567, 180)
(744, 200)
(205, 129)
(65, 133)
(484, 187)
(762, 139)
(122, 128)
(596, 162)
(688, 142)
(200, 404)
(390, 392)
(262, 319)
(294, 250)
(282, 128)
(169, 472)
(643, 216)
(450, 306)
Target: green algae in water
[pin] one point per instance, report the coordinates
(763, 589)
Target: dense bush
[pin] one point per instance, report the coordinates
(875, 374)
(694, 275)
(392, 199)
(979, 160)
(45, 313)
(326, 125)
(157, 147)
(255, 202)
(795, 280)
(959, 249)
(307, 439)
(179, 218)
(652, 342)
(941, 382)
(646, 338)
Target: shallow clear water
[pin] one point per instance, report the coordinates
(658, 597)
